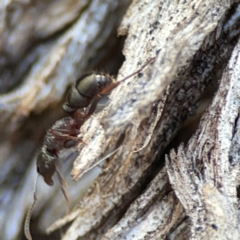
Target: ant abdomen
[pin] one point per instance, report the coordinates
(86, 89)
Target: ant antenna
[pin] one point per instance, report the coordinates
(139, 70)
(102, 159)
(30, 210)
(116, 83)
(63, 185)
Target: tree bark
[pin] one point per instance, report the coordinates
(152, 186)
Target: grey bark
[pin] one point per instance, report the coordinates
(193, 195)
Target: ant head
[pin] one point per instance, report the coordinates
(46, 168)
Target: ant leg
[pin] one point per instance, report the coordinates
(111, 153)
(67, 139)
(58, 133)
(63, 185)
(64, 132)
(93, 105)
(102, 159)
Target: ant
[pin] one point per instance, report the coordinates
(86, 92)
(82, 99)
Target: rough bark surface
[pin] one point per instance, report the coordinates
(143, 191)
(208, 192)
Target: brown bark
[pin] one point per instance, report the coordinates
(137, 195)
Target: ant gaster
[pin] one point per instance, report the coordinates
(85, 93)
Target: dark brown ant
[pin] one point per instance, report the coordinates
(85, 93)
(64, 132)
